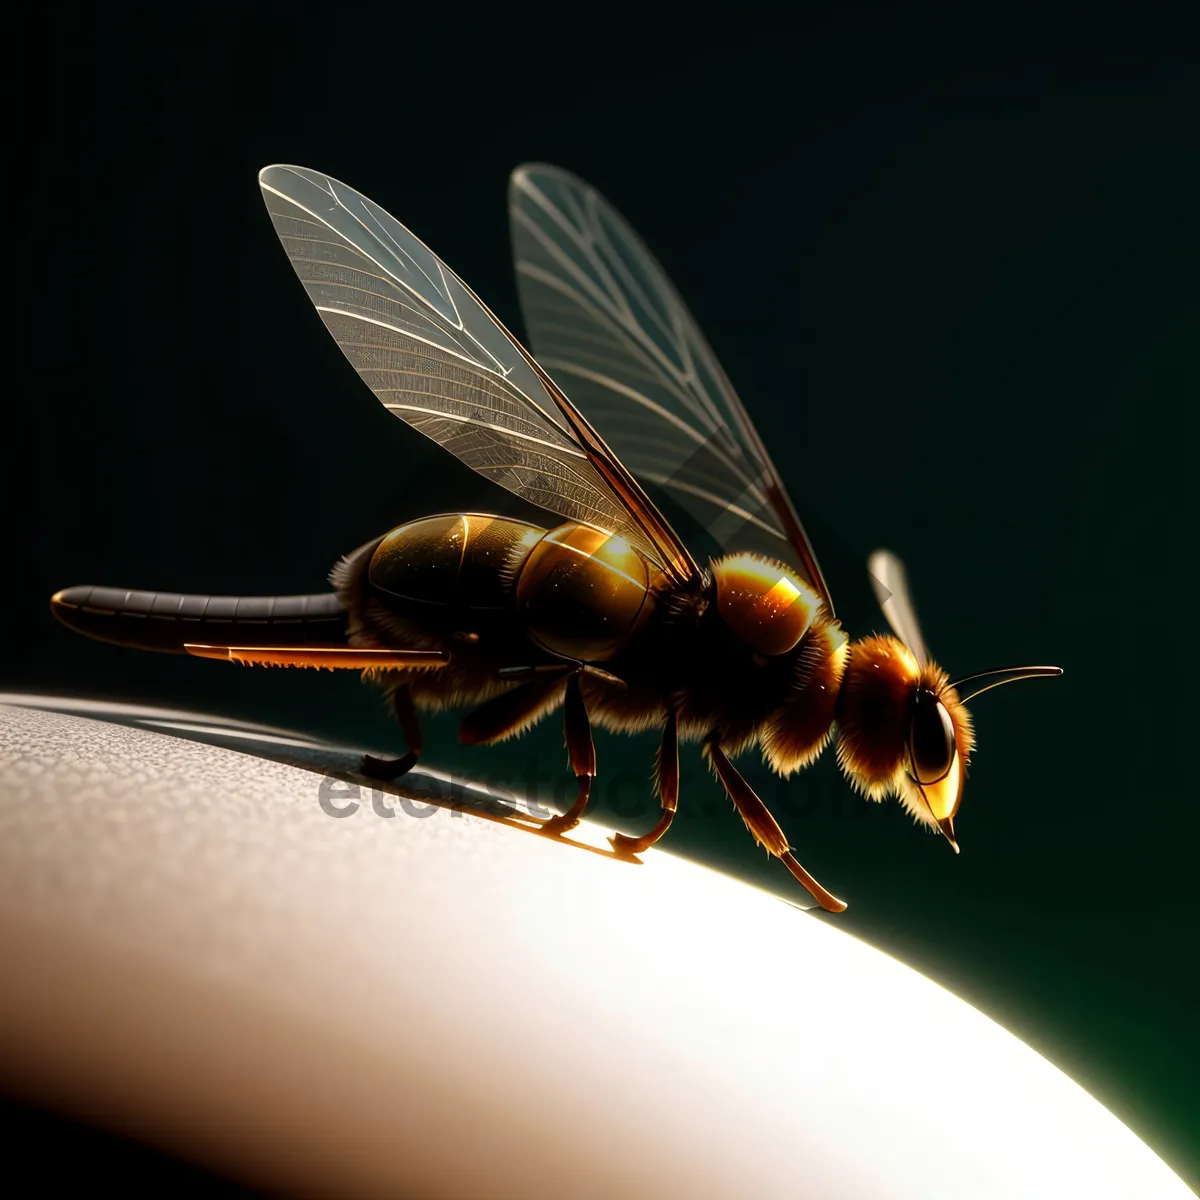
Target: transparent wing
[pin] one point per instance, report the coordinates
(890, 582)
(607, 324)
(436, 357)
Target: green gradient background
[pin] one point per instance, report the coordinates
(953, 271)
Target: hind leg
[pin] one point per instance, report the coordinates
(388, 769)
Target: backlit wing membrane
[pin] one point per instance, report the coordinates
(608, 326)
(890, 583)
(435, 356)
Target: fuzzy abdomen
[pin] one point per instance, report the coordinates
(495, 594)
(441, 583)
(454, 570)
(583, 594)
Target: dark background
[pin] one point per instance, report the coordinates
(950, 266)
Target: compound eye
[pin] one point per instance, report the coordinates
(931, 739)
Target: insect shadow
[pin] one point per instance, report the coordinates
(342, 789)
(424, 791)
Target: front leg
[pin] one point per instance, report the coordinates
(763, 827)
(667, 780)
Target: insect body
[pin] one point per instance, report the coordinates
(605, 616)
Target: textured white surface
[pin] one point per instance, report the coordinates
(448, 1006)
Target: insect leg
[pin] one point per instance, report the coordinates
(763, 827)
(667, 778)
(578, 732)
(512, 711)
(406, 718)
(517, 709)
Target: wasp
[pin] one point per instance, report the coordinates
(607, 616)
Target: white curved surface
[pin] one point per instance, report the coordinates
(195, 953)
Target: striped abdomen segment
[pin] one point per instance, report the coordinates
(164, 621)
(453, 566)
(574, 590)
